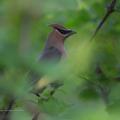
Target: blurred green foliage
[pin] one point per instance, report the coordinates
(91, 73)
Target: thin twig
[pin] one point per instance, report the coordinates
(9, 108)
(110, 10)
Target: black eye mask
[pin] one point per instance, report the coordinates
(63, 31)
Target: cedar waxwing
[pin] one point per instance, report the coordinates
(53, 52)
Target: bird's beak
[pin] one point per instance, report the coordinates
(72, 32)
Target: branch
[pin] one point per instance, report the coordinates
(9, 108)
(110, 9)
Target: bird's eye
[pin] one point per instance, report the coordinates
(63, 31)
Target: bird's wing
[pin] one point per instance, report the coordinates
(51, 54)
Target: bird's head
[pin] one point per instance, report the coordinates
(62, 30)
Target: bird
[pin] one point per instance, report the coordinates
(53, 52)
